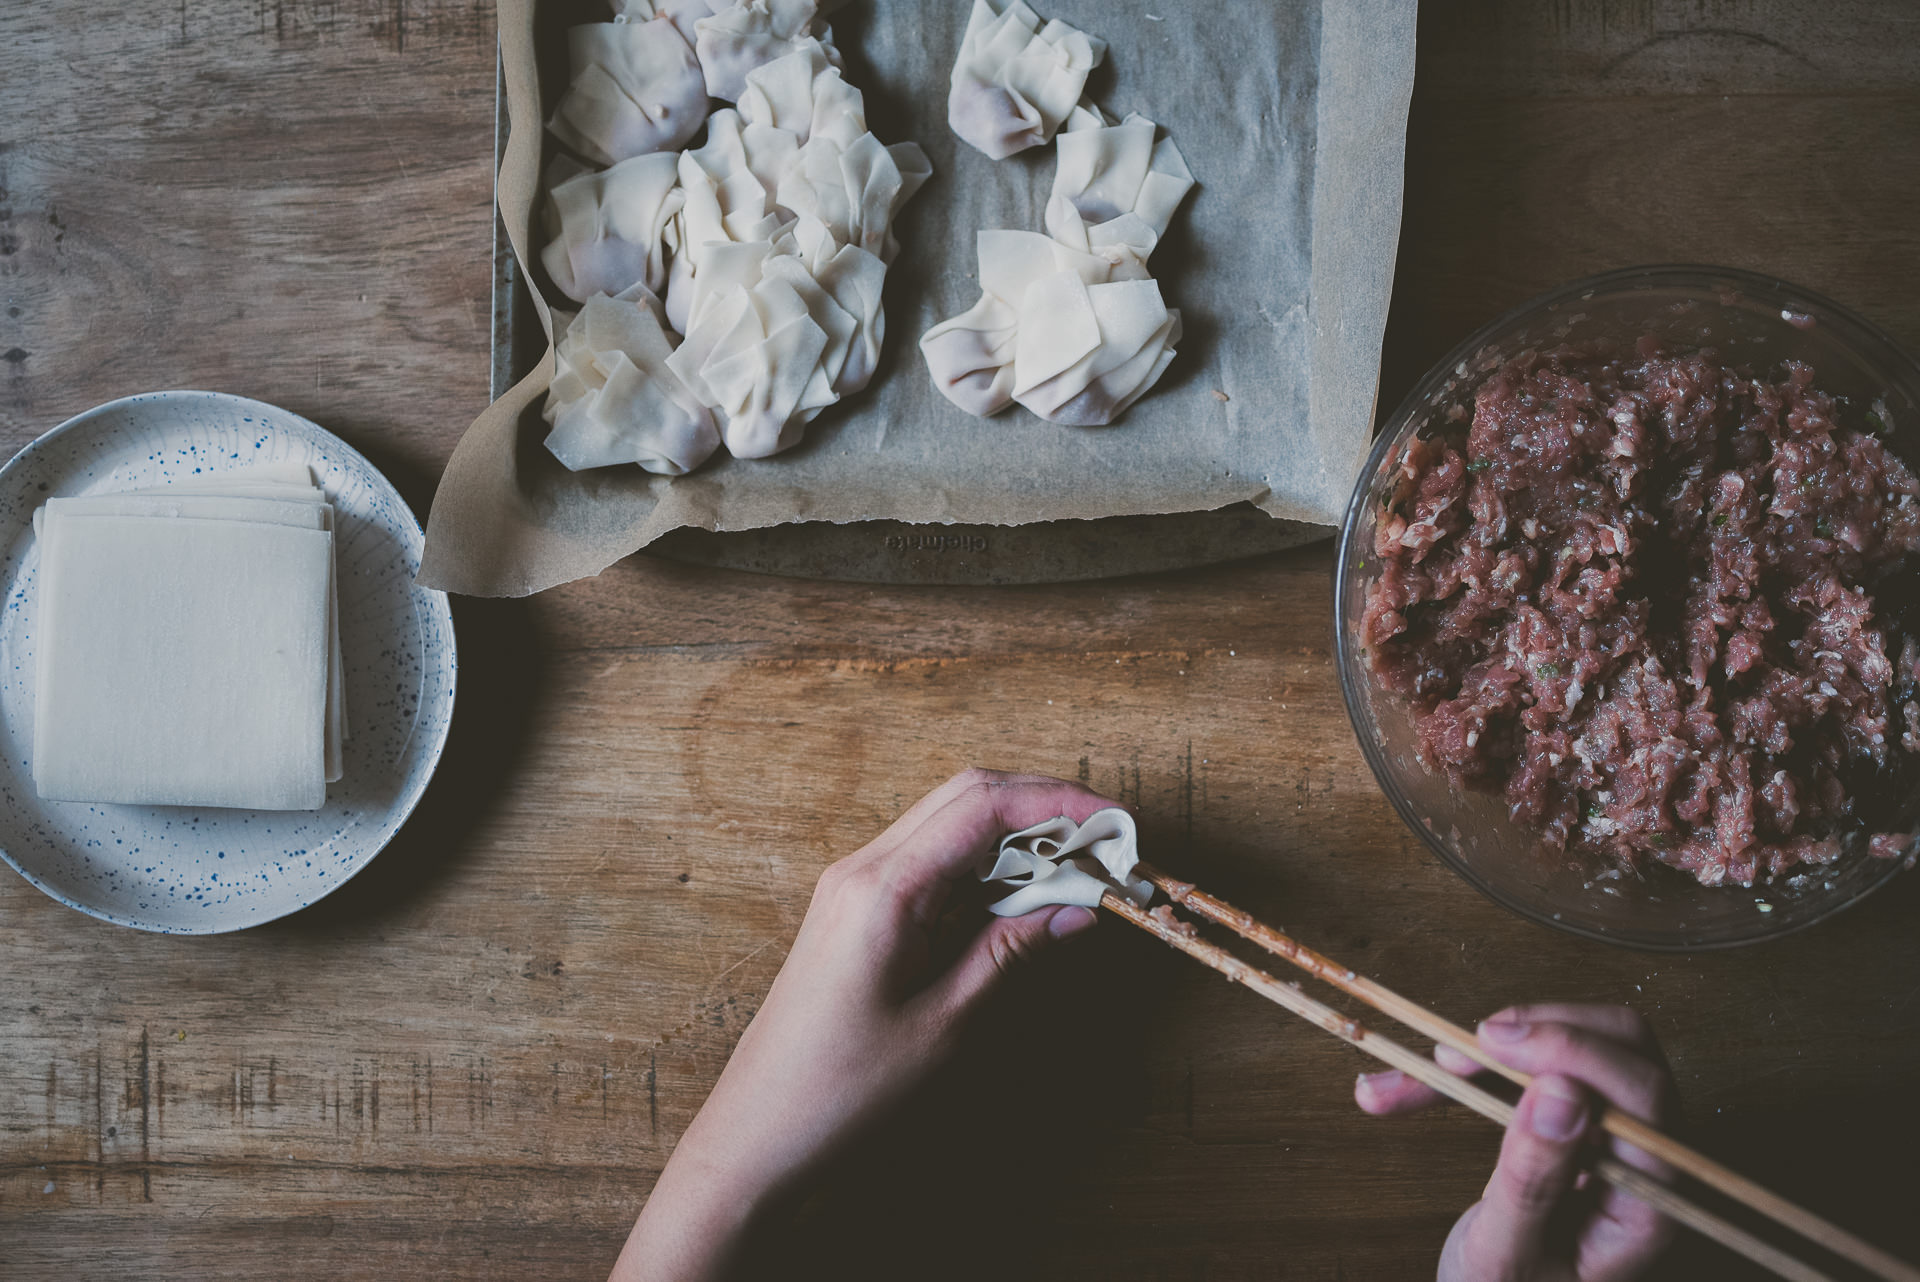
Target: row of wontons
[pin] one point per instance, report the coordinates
(1070, 324)
(764, 252)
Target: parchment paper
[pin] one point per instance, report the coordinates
(1292, 115)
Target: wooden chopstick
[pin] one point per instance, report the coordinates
(1649, 1190)
(1621, 1125)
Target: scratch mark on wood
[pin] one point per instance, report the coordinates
(744, 960)
(606, 1074)
(373, 1099)
(653, 1098)
(1186, 788)
(429, 1094)
(53, 1094)
(146, 1142)
(99, 1130)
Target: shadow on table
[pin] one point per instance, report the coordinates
(501, 669)
(990, 1173)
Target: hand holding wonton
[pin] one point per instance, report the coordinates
(859, 1015)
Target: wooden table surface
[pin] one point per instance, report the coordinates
(472, 1062)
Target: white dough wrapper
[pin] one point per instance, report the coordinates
(763, 338)
(1063, 864)
(729, 186)
(615, 398)
(972, 357)
(1016, 81)
(683, 14)
(854, 191)
(1116, 189)
(743, 37)
(611, 227)
(805, 94)
(637, 89)
(1136, 334)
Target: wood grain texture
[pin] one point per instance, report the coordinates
(475, 1058)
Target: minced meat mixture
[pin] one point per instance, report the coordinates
(1668, 606)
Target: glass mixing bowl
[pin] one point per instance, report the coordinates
(1749, 320)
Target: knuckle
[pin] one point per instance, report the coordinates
(1530, 1186)
(1010, 949)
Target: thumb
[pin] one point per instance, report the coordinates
(1003, 947)
(1538, 1162)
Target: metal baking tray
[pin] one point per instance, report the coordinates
(893, 552)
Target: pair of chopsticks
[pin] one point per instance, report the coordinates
(1182, 936)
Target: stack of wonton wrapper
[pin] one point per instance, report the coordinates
(1293, 120)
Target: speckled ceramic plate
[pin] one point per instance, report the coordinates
(182, 871)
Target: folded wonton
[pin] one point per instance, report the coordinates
(743, 37)
(1116, 189)
(854, 191)
(805, 94)
(1060, 863)
(1017, 81)
(637, 89)
(755, 350)
(972, 357)
(683, 14)
(729, 187)
(615, 398)
(1087, 353)
(610, 227)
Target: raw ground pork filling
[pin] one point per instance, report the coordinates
(1668, 606)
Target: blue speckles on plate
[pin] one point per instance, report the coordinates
(144, 867)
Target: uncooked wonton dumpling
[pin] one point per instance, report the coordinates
(637, 89)
(1116, 189)
(615, 400)
(748, 35)
(1016, 81)
(610, 227)
(1063, 864)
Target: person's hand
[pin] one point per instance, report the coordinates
(1541, 1219)
(857, 1016)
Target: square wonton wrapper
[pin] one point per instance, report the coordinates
(1293, 119)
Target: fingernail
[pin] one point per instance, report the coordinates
(1559, 1112)
(1381, 1081)
(1071, 921)
(1505, 1031)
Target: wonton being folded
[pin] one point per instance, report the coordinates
(615, 397)
(610, 227)
(1063, 864)
(1016, 81)
(637, 89)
